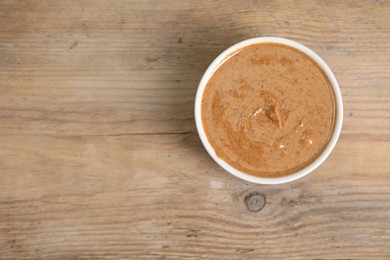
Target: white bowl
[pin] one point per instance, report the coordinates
(293, 176)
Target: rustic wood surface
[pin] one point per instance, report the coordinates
(99, 156)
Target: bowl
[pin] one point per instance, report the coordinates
(273, 180)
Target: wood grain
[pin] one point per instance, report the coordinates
(99, 156)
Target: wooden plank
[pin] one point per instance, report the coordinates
(99, 156)
(102, 68)
(111, 197)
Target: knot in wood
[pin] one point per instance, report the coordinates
(255, 202)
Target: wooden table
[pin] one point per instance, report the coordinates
(99, 156)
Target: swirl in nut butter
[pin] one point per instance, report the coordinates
(268, 110)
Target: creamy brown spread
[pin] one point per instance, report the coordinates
(268, 110)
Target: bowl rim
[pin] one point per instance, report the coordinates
(273, 180)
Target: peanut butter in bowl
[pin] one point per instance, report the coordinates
(268, 110)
